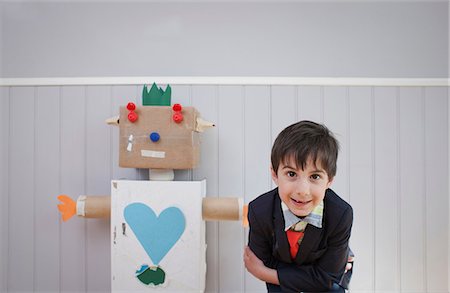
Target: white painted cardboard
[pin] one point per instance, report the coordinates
(185, 263)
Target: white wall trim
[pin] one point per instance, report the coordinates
(224, 80)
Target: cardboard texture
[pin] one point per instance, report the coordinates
(178, 146)
(97, 207)
(221, 209)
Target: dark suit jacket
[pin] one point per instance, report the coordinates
(322, 255)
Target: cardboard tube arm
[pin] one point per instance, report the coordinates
(94, 206)
(213, 208)
(222, 208)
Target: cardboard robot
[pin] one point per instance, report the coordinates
(157, 225)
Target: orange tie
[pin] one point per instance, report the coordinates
(294, 238)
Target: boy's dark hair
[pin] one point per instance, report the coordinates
(304, 140)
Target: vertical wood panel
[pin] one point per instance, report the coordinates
(257, 157)
(436, 170)
(336, 118)
(283, 105)
(412, 188)
(73, 183)
(4, 186)
(231, 175)
(98, 182)
(386, 185)
(361, 184)
(310, 103)
(22, 187)
(204, 99)
(121, 96)
(47, 172)
(284, 108)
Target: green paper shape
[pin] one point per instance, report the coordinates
(151, 275)
(156, 96)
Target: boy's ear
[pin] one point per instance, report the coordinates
(330, 181)
(274, 175)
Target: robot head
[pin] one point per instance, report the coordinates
(159, 137)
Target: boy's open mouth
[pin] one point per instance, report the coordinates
(300, 202)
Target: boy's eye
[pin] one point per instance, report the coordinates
(291, 174)
(315, 176)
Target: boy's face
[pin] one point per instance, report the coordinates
(301, 190)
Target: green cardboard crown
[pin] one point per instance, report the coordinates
(156, 96)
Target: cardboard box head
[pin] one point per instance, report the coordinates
(157, 139)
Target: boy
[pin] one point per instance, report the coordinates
(299, 232)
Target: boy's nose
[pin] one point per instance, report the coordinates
(302, 187)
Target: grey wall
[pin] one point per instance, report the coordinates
(1, 38)
(3, 178)
(4, 126)
(371, 39)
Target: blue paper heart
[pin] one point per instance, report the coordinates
(156, 234)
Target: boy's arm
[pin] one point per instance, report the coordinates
(257, 268)
(327, 269)
(258, 257)
(259, 237)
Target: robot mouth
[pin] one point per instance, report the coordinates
(153, 154)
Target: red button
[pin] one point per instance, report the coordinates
(177, 117)
(132, 116)
(131, 106)
(177, 107)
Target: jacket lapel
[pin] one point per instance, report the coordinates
(281, 244)
(312, 236)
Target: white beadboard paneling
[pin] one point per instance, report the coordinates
(231, 183)
(98, 182)
(361, 184)
(283, 105)
(393, 168)
(120, 97)
(310, 103)
(284, 108)
(257, 142)
(46, 172)
(73, 183)
(412, 190)
(387, 269)
(436, 172)
(22, 229)
(4, 186)
(257, 157)
(336, 118)
(204, 99)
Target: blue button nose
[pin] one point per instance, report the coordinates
(154, 136)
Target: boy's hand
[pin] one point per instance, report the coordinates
(257, 268)
(252, 262)
(349, 263)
